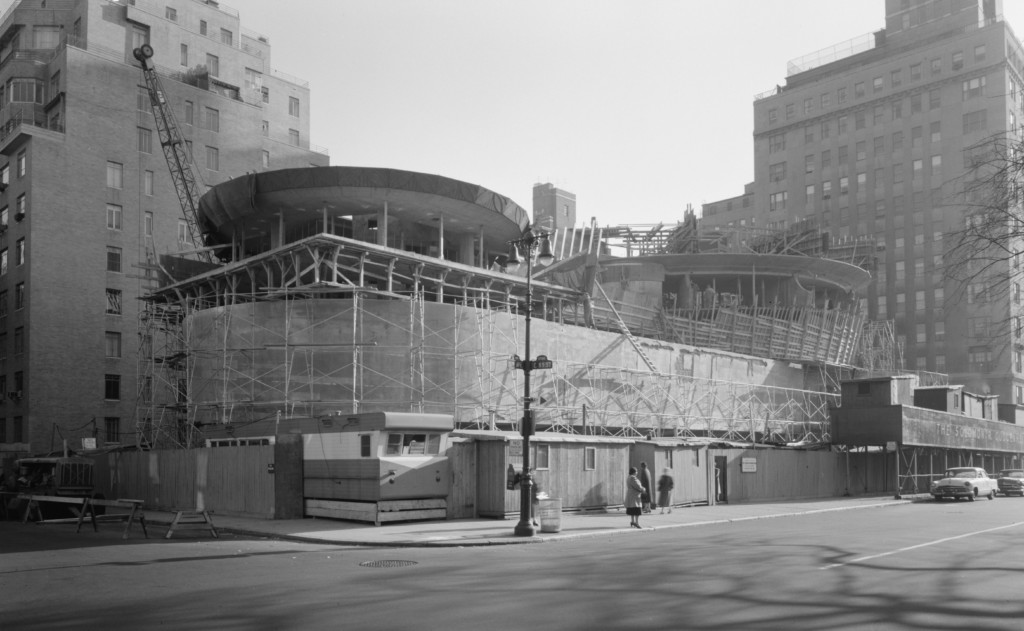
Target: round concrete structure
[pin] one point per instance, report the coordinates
(273, 207)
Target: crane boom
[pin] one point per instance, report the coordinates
(176, 152)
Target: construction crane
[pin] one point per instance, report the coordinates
(179, 158)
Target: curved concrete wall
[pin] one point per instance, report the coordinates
(318, 356)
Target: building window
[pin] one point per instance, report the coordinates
(293, 137)
(934, 99)
(3, 261)
(112, 425)
(253, 79)
(808, 105)
(858, 90)
(25, 91)
(19, 296)
(776, 172)
(590, 458)
(293, 106)
(915, 72)
(213, 158)
(202, 27)
(190, 115)
(974, 87)
(18, 435)
(112, 387)
(773, 115)
(113, 345)
(227, 37)
(936, 66)
(975, 121)
(145, 140)
(776, 143)
(148, 223)
(113, 259)
(19, 341)
(790, 111)
(114, 301)
(213, 65)
(896, 78)
(113, 217)
(958, 60)
(265, 158)
(115, 175)
(20, 208)
(979, 53)
(22, 159)
(147, 183)
(542, 456)
(19, 252)
(843, 124)
(183, 57)
(171, 14)
(777, 201)
(877, 84)
(265, 94)
(826, 100)
(826, 130)
(212, 119)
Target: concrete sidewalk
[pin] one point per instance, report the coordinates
(481, 532)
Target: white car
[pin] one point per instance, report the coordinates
(969, 482)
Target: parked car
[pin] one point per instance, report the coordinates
(1011, 482)
(969, 482)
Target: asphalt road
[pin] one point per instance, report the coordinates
(926, 565)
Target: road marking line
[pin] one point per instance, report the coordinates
(921, 545)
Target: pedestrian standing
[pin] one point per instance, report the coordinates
(644, 476)
(665, 486)
(633, 503)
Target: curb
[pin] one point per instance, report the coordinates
(557, 538)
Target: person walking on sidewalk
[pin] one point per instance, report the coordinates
(633, 502)
(665, 486)
(645, 479)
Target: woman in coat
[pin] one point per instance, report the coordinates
(633, 503)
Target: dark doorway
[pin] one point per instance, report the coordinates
(721, 495)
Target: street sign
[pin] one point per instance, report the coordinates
(542, 362)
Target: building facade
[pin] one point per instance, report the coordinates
(871, 141)
(89, 205)
(553, 208)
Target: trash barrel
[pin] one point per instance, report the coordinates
(550, 514)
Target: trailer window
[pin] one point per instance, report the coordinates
(413, 444)
(364, 446)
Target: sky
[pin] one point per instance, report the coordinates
(639, 107)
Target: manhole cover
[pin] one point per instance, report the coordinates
(389, 563)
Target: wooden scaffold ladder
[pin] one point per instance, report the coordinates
(625, 331)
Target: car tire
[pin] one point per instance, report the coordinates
(991, 495)
(973, 496)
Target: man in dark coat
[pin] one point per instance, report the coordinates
(645, 480)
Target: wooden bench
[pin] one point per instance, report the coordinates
(134, 508)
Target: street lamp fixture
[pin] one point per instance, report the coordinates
(529, 242)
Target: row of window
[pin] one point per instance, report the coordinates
(972, 121)
(877, 85)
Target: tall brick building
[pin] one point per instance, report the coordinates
(868, 138)
(88, 204)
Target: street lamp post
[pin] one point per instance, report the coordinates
(529, 241)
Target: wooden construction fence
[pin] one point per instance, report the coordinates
(227, 480)
(785, 474)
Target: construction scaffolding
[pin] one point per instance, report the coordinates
(330, 325)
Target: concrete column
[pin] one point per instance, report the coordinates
(382, 225)
(440, 238)
(466, 243)
(483, 254)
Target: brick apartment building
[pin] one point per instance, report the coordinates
(88, 202)
(866, 138)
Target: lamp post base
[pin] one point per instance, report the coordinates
(525, 529)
